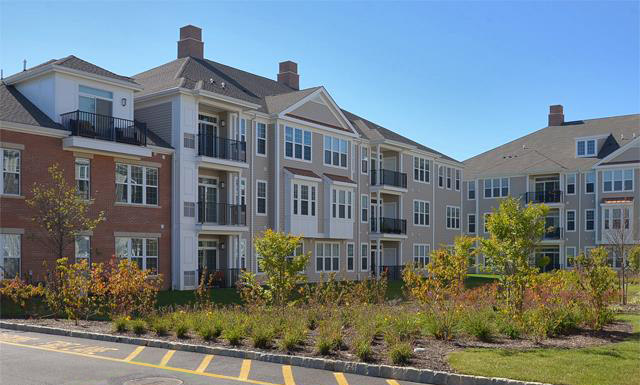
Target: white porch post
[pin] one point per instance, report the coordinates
(378, 257)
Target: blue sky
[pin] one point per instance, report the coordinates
(460, 77)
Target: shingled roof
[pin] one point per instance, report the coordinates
(553, 148)
(75, 63)
(16, 108)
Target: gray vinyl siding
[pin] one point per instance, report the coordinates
(158, 120)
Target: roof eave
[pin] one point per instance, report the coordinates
(41, 71)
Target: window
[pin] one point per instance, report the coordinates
(297, 144)
(449, 178)
(304, 199)
(364, 208)
(617, 180)
(335, 151)
(486, 221)
(453, 217)
(471, 193)
(83, 248)
(341, 203)
(189, 140)
(95, 101)
(570, 255)
(327, 257)
(571, 184)
(571, 220)
(136, 184)
(364, 159)
(351, 256)
(261, 197)
(420, 213)
(10, 171)
(440, 176)
(239, 190)
(243, 254)
(261, 139)
(421, 254)
(364, 257)
(616, 218)
(589, 216)
(83, 178)
(241, 135)
(142, 251)
(586, 147)
(458, 177)
(471, 223)
(299, 250)
(189, 209)
(496, 187)
(10, 257)
(421, 169)
(590, 182)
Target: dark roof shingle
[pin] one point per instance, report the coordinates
(16, 108)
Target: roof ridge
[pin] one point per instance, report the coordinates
(247, 72)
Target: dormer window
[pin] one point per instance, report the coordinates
(95, 101)
(586, 147)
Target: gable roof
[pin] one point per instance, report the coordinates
(16, 108)
(552, 149)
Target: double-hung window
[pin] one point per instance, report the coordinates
(589, 219)
(364, 159)
(441, 172)
(486, 222)
(83, 178)
(449, 171)
(617, 180)
(297, 143)
(261, 138)
(364, 208)
(327, 257)
(142, 251)
(420, 213)
(471, 190)
(261, 197)
(304, 199)
(10, 171)
(571, 220)
(616, 218)
(471, 223)
(586, 147)
(364, 257)
(83, 248)
(590, 182)
(335, 151)
(571, 184)
(453, 217)
(341, 203)
(351, 256)
(9, 256)
(299, 250)
(421, 254)
(496, 187)
(570, 255)
(458, 179)
(421, 169)
(136, 184)
(95, 101)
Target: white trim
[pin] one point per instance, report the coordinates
(37, 72)
(368, 159)
(367, 256)
(331, 256)
(266, 140)
(575, 221)
(475, 190)
(293, 144)
(575, 183)
(453, 217)
(616, 153)
(427, 170)
(368, 208)
(35, 130)
(586, 146)
(266, 197)
(595, 184)
(586, 219)
(427, 214)
(426, 258)
(475, 224)
(346, 253)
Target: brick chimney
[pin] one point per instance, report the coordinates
(288, 74)
(190, 43)
(556, 115)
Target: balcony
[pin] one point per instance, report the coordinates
(222, 148)
(222, 214)
(389, 226)
(389, 178)
(221, 278)
(104, 127)
(553, 233)
(544, 196)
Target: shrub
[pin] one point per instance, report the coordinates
(182, 330)
(400, 353)
(139, 327)
(442, 328)
(479, 324)
(509, 328)
(121, 324)
(131, 291)
(323, 345)
(598, 281)
(21, 293)
(160, 326)
(292, 337)
(362, 349)
(209, 332)
(262, 335)
(234, 334)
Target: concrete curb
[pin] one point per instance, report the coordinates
(425, 376)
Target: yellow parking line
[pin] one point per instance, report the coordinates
(288, 375)
(167, 357)
(392, 382)
(134, 353)
(205, 362)
(212, 375)
(342, 380)
(244, 370)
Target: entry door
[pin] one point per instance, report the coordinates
(207, 257)
(373, 248)
(208, 198)
(554, 258)
(375, 214)
(208, 135)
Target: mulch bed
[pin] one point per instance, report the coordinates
(428, 353)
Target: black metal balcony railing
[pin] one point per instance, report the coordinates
(104, 127)
(389, 178)
(544, 196)
(222, 148)
(553, 233)
(389, 225)
(222, 214)
(221, 278)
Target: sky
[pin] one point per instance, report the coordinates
(459, 77)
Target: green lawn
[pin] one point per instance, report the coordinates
(611, 364)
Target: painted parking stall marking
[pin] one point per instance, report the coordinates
(204, 364)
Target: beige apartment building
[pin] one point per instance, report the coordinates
(253, 153)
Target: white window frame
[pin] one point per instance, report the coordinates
(364, 256)
(441, 175)
(475, 224)
(449, 178)
(421, 166)
(424, 213)
(258, 197)
(6, 253)
(17, 171)
(566, 255)
(332, 151)
(302, 143)
(485, 217)
(352, 257)
(421, 254)
(626, 215)
(335, 203)
(324, 257)
(575, 217)
(587, 175)
(458, 179)
(586, 220)
(144, 253)
(296, 198)
(79, 257)
(610, 177)
(242, 260)
(89, 92)
(573, 176)
(259, 138)
(501, 186)
(364, 159)
(364, 208)
(586, 147)
(239, 183)
(469, 184)
(453, 215)
(80, 165)
(129, 184)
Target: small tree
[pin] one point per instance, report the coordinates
(514, 232)
(130, 290)
(281, 267)
(60, 211)
(598, 281)
(620, 239)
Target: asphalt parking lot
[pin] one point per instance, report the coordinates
(41, 359)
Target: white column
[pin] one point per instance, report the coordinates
(378, 257)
